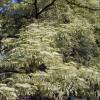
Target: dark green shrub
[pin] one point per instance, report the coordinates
(77, 43)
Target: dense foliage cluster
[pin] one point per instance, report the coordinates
(50, 46)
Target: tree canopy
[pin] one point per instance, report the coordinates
(49, 46)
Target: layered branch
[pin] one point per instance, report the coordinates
(37, 13)
(46, 7)
(82, 6)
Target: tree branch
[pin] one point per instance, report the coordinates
(81, 6)
(36, 9)
(47, 6)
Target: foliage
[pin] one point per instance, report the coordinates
(74, 43)
(35, 58)
(21, 13)
(58, 52)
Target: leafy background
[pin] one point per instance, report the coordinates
(58, 52)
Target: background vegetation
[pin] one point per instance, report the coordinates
(50, 46)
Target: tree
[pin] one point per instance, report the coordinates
(55, 50)
(43, 9)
